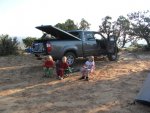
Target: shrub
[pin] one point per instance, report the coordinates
(8, 45)
(28, 41)
(135, 48)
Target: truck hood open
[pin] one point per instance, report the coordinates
(58, 33)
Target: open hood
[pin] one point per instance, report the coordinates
(58, 33)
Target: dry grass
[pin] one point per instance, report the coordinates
(112, 88)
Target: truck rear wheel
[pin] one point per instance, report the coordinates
(71, 58)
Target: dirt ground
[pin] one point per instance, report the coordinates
(111, 89)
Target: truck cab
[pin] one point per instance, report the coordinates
(95, 44)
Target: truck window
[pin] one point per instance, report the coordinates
(89, 36)
(98, 37)
(75, 34)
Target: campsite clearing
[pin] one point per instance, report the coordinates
(112, 88)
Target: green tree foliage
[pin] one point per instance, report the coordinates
(61, 26)
(105, 28)
(140, 25)
(8, 45)
(131, 29)
(121, 28)
(68, 25)
(28, 41)
(84, 25)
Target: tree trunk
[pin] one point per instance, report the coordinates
(124, 41)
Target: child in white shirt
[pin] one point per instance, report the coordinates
(87, 68)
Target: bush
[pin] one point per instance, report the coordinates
(135, 48)
(28, 41)
(8, 45)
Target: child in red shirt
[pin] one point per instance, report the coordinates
(61, 66)
(48, 66)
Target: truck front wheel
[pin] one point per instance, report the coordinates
(71, 58)
(113, 57)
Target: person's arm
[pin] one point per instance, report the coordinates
(66, 65)
(54, 64)
(92, 67)
(44, 64)
(85, 65)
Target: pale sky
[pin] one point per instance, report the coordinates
(20, 17)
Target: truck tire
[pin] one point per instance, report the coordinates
(71, 58)
(113, 56)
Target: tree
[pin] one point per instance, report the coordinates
(8, 45)
(28, 41)
(84, 25)
(140, 25)
(61, 26)
(121, 28)
(68, 25)
(106, 28)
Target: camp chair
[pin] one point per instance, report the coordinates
(68, 71)
(48, 72)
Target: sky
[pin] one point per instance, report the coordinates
(20, 17)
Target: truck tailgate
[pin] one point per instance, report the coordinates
(38, 47)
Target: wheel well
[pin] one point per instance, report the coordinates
(72, 51)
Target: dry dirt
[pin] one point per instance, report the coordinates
(111, 89)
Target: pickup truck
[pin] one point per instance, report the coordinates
(74, 44)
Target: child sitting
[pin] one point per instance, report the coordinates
(87, 68)
(48, 66)
(61, 67)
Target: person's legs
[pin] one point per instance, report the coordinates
(45, 71)
(50, 72)
(87, 74)
(83, 71)
(60, 73)
(57, 72)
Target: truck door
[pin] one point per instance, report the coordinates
(89, 44)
